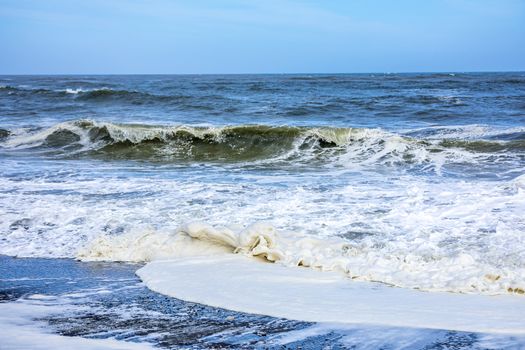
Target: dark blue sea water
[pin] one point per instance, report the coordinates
(391, 101)
(232, 118)
(422, 174)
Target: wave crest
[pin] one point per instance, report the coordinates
(263, 144)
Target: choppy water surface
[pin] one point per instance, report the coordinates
(420, 173)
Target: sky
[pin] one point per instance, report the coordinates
(260, 36)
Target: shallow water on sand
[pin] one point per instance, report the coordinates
(104, 301)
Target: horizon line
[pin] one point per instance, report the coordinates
(284, 73)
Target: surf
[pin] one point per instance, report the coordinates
(266, 145)
(456, 272)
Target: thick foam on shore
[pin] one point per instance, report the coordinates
(454, 273)
(242, 284)
(283, 274)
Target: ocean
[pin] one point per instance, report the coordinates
(413, 181)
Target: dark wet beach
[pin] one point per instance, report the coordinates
(107, 300)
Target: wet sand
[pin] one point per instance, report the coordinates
(107, 301)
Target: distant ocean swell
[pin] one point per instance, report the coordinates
(387, 100)
(101, 94)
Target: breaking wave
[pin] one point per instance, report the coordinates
(261, 143)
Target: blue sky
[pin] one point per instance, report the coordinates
(260, 36)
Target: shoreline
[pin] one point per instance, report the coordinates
(246, 284)
(96, 300)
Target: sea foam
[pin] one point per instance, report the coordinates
(243, 284)
(456, 273)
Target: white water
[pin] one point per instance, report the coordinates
(401, 230)
(433, 233)
(455, 273)
(352, 148)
